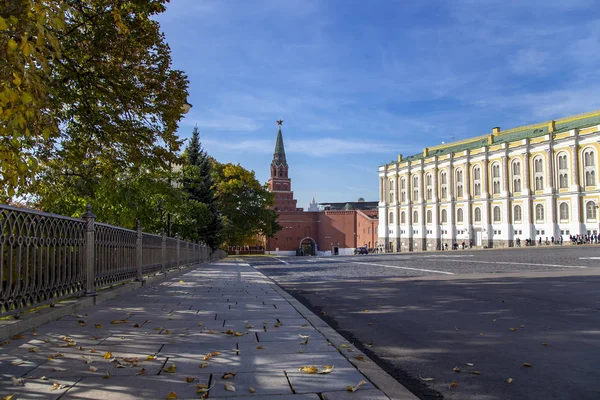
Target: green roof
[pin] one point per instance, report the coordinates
(525, 132)
(279, 154)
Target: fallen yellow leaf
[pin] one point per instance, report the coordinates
(119, 321)
(18, 336)
(141, 372)
(10, 396)
(453, 384)
(181, 281)
(311, 369)
(229, 387)
(93, 369)
(228, 375)
(476, 372)
(456, 369)
(527, 365)
(509, 380)
(151, 358)
(203, 365)
(170, 369)
(513, 329)
(228, 332)
(360, 358)
(172, 395)
(190, 379)
(252, 390)
(355, 388)
(98, 326)
(239, 334)
(108, 355)
(259, 347)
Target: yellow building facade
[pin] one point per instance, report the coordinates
(531, 182)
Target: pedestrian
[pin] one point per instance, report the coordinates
(561, 240)
(552, 240)
(446, 246)
(540, 241)
(471, 244)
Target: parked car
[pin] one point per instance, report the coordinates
(361, 250)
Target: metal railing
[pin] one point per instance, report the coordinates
(48, 257)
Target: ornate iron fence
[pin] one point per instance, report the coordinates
(47, 257)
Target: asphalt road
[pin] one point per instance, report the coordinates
(420, 315)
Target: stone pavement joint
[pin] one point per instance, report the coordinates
(222, 326)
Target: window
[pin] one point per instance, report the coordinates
(516, 173)
(444, 185)
(564, 211)
(495, 178)
(429, 216)
(391, 190)
(391, 219)
(415, 188)
(538, 170)
(459, 183)
(517, 214)
(589, 165)
(459, 215)
(539, 213)
(563, 171)
(428, 182)
(444, 217)
(476, 181)
(402, 217)
(477, 214)
(415, 217)
(403, 190)
(497, 214)
(590, 210)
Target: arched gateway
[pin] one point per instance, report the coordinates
(307, 247)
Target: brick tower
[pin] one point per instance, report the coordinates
(279, 183)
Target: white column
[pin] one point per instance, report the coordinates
(485, 217)
(436, 205)
(409, 233)
(550, 200)
(451, 204)
(422, 245)
(467, 197)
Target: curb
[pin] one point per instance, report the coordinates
(378, 377)
(33, 320)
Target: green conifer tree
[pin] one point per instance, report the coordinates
(198, 184)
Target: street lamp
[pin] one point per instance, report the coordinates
(186, 107)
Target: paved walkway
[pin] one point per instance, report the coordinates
(221, 330)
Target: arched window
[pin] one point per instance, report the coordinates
(415, 217)
(476, 181)
(403, 190)
(415, 188)
(590, 210)
(589, 166)
(538, 171)
(402, 217)
(391, 219)
(459, 215)
(429, 184)
(564, 211)
(429, 216)
(517, 214)
(539, 213)
(497, 214)
(477, 213)
(443, 185)
(563, 171)
(391, 190)
(516, 174)
(495, 178)
(444, 216)
(459, 183)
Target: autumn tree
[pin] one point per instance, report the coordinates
(117, 101)
(244, 203)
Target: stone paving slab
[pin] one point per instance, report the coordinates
(216, 319)
(265, 383)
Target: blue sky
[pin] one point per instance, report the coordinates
(357, 82)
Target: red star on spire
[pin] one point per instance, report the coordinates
(279, 122)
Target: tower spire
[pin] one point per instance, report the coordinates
(279, 154)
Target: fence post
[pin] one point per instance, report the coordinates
(138, 253)
(178, 246)
(89, 257)
(163, 253)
